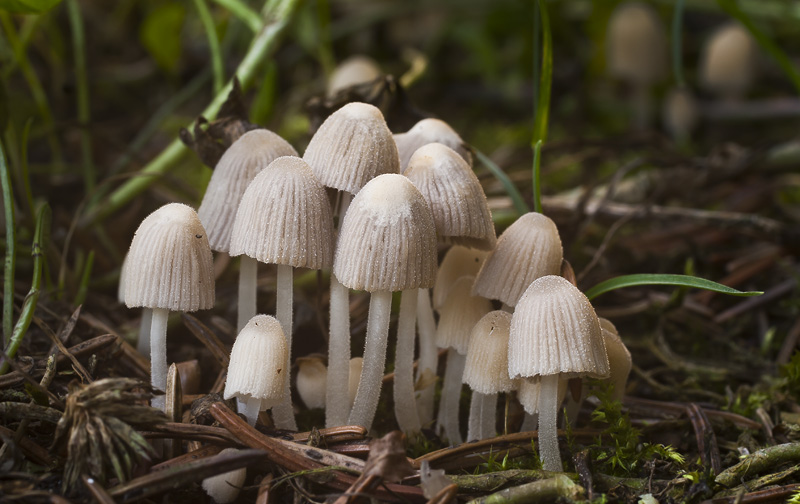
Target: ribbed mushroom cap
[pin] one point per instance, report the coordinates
(457, 262)
(455, 195)
(312, 378)
(224, 488)
(636, 44)
(169, 264)
(619, 357)
(387, 241)
(459, 314)
(486, 368)
(248, 155)
(528, 393)
(555, 330)
(285, 218)
(728, 62)
(351, 72)
(528, 249)
(353, 146)
(429, 131)
(258, 361)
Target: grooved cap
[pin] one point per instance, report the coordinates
(619, 357)
(258, 362)
(457, 262)
(169, 264)
(459, 314)
(429, 131)
(636, 44)
(486, 368)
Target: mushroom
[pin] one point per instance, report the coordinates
(170, 268)
(353, 71)
(728, 62)
(458, 261)
(356, 365)
(680, 114)
(224, 488)
(312, 377)
(619, 358)
(429, 131)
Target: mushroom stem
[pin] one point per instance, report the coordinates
(248, 276)
(451, 393)
(405, 405)
(143, 344)
(158, 353)
(337, 402)
(488, 410)
(283, 413)
(251, 409)
(548, 434)
(428, 355)
(474, 425)
(369, 387)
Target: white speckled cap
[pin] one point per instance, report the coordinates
(555, 330)
(285, 218)
(459, 314)
(353, 146)
(530, 248)
(387, 241)
(169, 264)
(636, 44)
(455, 195)
(528, 393)
(353, 71)
(457, 262)
(619, 357)
(728, 62)
(429, 131)
(258, 362)
(248, 155)
(486, 368)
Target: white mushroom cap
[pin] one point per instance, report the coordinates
(528, 390)
(619, 358)
(555, 331)
(351, 147)
(312, 378)
(248, 155)
(530, 248)
(285, 218)
(224, 488)
(356, 365)
(728, 62)
(636, 44)
(429, 131)
(169, 264)
(257, 363)
(351, 72)
(459, 314)
(459, 206)
(680, 113)
(457, 262)
(388, 240)
(486, 368)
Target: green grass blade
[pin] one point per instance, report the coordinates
(245, 14)
(213, 44)
(677, 43)
(545, 78)
(11, 249)
(83, 288)
(537, 185)
(659, 279)
(516, 198)
(25, 168)
(82, 84)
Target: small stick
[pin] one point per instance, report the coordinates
(760, 461)
(204, 452)
(207, 337)
(96, 490)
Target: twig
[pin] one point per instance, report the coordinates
(19, 411)
(762, 460)
(706, 439)
(37, 453)
(769, 296)
(191, 431)
(96, 490)
(207, 337)
(547, 490)
(84, 374)
(202, 453)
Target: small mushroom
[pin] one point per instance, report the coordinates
(312, 377)
(224, 488)
(351, 72)
(728, 62)
(429, 131)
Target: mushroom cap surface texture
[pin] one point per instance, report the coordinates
(457, 262)
(455, 195)
(285, 218)
(258, 359)
(429, 131)
(620, 361)
(555, 331)
(459, 314)
(237, 167)
(351, 72)
(170, 264)
(486, 368)
(728, 61)
(388, 240)
(528, 249)
(636, 44)
(352, 146)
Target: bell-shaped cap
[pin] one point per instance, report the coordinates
(486, 367)
(388, 240)
(353, 146)
(429, 131)
(285, 218)
(555, 331)
(312, 379)
(258, 362)
(619, 358)
(530, 248)
(457, 262)
(528, 390)
(224, 488)
(351, 72)
(455, 195)
(636, 44)
(459, 314)
(169, 264)
(728, 62)
(237, 167)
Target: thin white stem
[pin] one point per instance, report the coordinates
(248, 278)
(548, 433)
(369, 387)
(474, 424)
(158, 353)
(143, 344)
(405, 405)
(451, 394)
(251, 409)
(283, 412)
(337, 401)
(428, 354)
(488, 420)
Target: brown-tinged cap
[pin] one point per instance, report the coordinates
(455, 195)
(457, 262)
(285, 218)
(619, 357)
(312, 379)
(387, 241)
(248, 155)
(486, 368)
(169, 264)
(429, 131)
(459, 314)
(530, 248)
(258, 362)
(554, 330)
(636, 44)
(353, 146)
(728, 62)
(351, 72)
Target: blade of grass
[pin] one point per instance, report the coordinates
(213, 44)
(537, 189)
(82, 83)
(516, 198)
(245, 14)
(25, 176)
(677, 43)
(543, 82)
(11, 249)
(83, 287)
(662, 279)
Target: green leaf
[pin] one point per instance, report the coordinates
(659, 279)
(545, 78)
(28, 6)
(161, 34)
